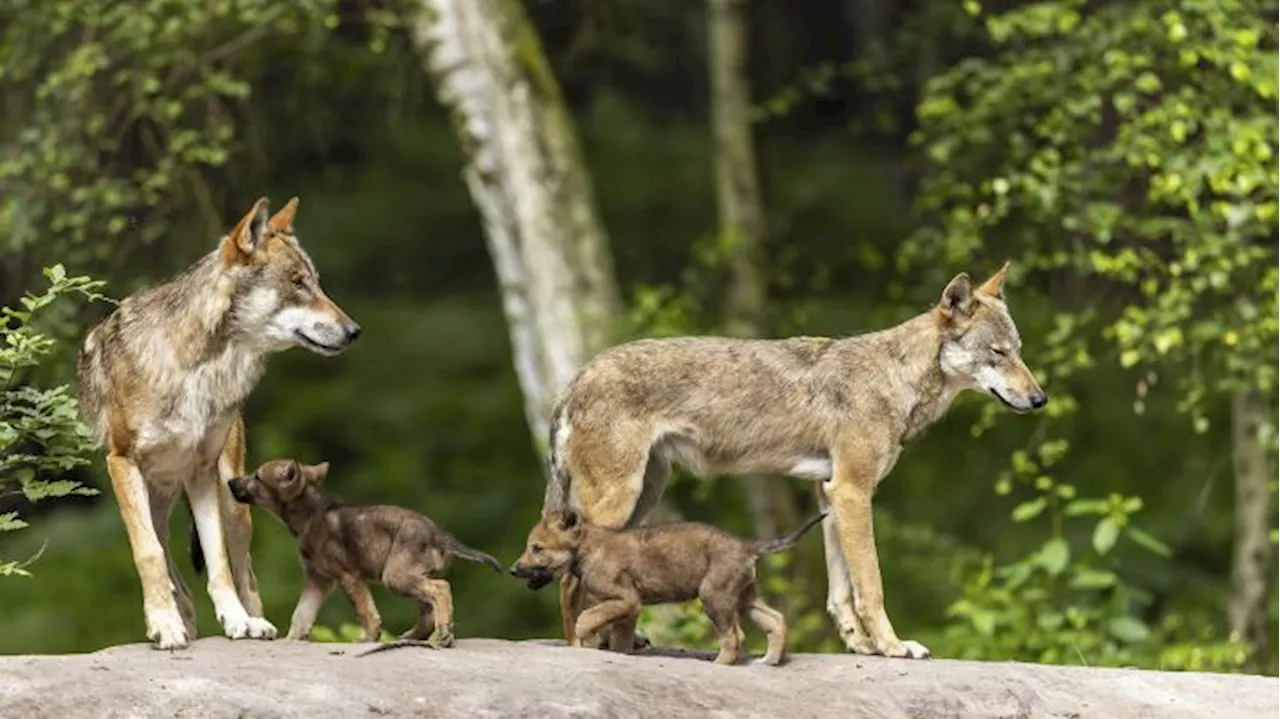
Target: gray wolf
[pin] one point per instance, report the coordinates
(161, 382)
(349, 545)
(621, 571)
(836, 411)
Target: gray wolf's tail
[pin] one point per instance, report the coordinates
(558, 479)
(769, 546)
(461, 550)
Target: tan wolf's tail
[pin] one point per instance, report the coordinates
(769, 546)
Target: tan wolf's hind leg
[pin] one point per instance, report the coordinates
(165, 625)
(162, 501)
(237, 521)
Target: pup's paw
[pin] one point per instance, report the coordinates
(442, 639)
(166, 630)
(247, 627)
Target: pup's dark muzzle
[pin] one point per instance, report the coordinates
(535, 577)
(239, 492)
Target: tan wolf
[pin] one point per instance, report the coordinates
(837, 411)
(161, 383)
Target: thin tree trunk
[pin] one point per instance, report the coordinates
(1251, 561)
(742, 217)
(526, 176)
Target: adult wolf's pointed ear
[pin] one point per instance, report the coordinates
(994, 286)
(957, 297)
(240, 244)
(282, 221)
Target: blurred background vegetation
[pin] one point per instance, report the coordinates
(1123, 154)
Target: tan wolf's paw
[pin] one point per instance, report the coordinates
(442, 639)
(166, 630)
(247, 627)
(907, 650)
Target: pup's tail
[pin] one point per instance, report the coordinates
(197, 554)
(769, 546)
(461, 550)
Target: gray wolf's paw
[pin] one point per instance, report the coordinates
(166, 630)
(247, 627)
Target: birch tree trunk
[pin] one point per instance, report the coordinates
(1251, 562)
(742, 217)
(526, 176)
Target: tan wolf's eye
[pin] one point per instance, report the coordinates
(300, 282)
(537, 549)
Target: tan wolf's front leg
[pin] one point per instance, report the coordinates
(165, 625)
(237, 519)
(850, 493)
(840, 602)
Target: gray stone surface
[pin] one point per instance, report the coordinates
(494, 678)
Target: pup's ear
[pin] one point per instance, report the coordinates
(994, 286)
(957, 297)
(569, 519)
(282, 221)
(316, 473)
(240, 244)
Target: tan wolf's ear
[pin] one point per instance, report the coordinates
(994, 286)
(282, 221)
(568, 520)
(316, 473)
(957, 296)
(242, 241)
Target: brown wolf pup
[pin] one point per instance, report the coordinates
(161, 382)
(621, 571)
(351, 544)
(837, 411)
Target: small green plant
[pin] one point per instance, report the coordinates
(346, 632)
(41, 435)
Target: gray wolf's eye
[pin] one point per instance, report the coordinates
(999, 351)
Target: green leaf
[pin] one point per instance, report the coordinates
(1148, 542)
(1028, 510)
(1089, 579)
(1105, 535)
(1086, 506)
(1128, 629)
(9, 522)
(1054, 555)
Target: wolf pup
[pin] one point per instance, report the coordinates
(621, 571)
(161, 381)
(351, 544)
(837, 411)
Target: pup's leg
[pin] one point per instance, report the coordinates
(723, 613)
(366, 611)
(850, 493)
(313, 595)
(840, 591)
(426, 623)
(162, 501)
(602, 615)
(440, 596)
(202, 491)
(165, 625)
(238, 520)
(622, 635)
(570, 606)
(771, 621)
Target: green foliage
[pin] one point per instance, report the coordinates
(1127, 149)
(346, 632)
(114, 110)
(41, 435)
